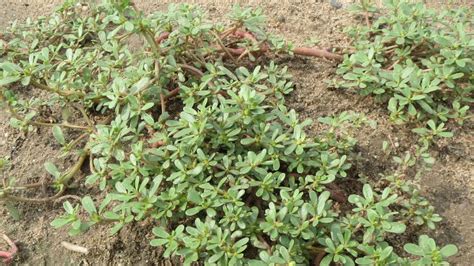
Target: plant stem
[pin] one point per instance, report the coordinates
(163, 103)
(146, 86)
(163, 36)
(393, 64)
(35, 123)
(219, 41)
(24, 187)
(76, 141)
(147, 34)
(84, 114)
(74, 248)
(60, 92)
(8, 255)
(367, 20)
(172, 93)
(63, 180)
(74, 169)
(67, 197)
(192, 69)
(317, 53)
(264, 242)
(33, 200)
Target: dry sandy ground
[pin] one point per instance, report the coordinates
(449, 185)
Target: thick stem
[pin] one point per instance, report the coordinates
(8, 255)
(64, 93)
(76, 141)
(84, 114)
(63, 180)
(393, 65)
(245, 35)
(75, 248)
(225, 49)
(148, 35)
(163, 103)
(305, 51)
(231, 30)
(264, 242)
(367, 20)
(317, 53)
(172, 93)
(24, 186)
(33, 200)
(319, 258)
(163, 36)
(37, 123)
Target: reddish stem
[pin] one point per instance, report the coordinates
(393, 65)
(236, 51)
(163, 36)
(305, 51)
(319, 258)
(245, 35)
(192, 70)
(8, 255)
(316, 52)
(172, 93)
(157, 144)
(367, 20)
(337, 193)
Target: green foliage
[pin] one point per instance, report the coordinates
(429, 253)
(417, 60)
(227, 173)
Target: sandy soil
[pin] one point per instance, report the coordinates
(449, 185)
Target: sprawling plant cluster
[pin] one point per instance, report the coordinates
(179, 133)
(416, 59)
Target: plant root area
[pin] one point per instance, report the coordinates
(448, 185)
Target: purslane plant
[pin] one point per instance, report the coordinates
(416, 59)
(178, 132)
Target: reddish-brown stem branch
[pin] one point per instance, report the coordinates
(316, 52)
(319, 258)
(367, 20)
(393, 65)
(163, 103)
(305, 51)
(245, 35)
(157, 144)
(223, 47)
(230, 30)
(264, 242)
(236, 51)
(192, 69)
(172, 93)
(163, 36)
(8, 255)
(36, 200)
(337, 194)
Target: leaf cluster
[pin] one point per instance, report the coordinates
(416, 59)
(178, 134)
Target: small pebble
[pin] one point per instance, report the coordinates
(336, 4)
